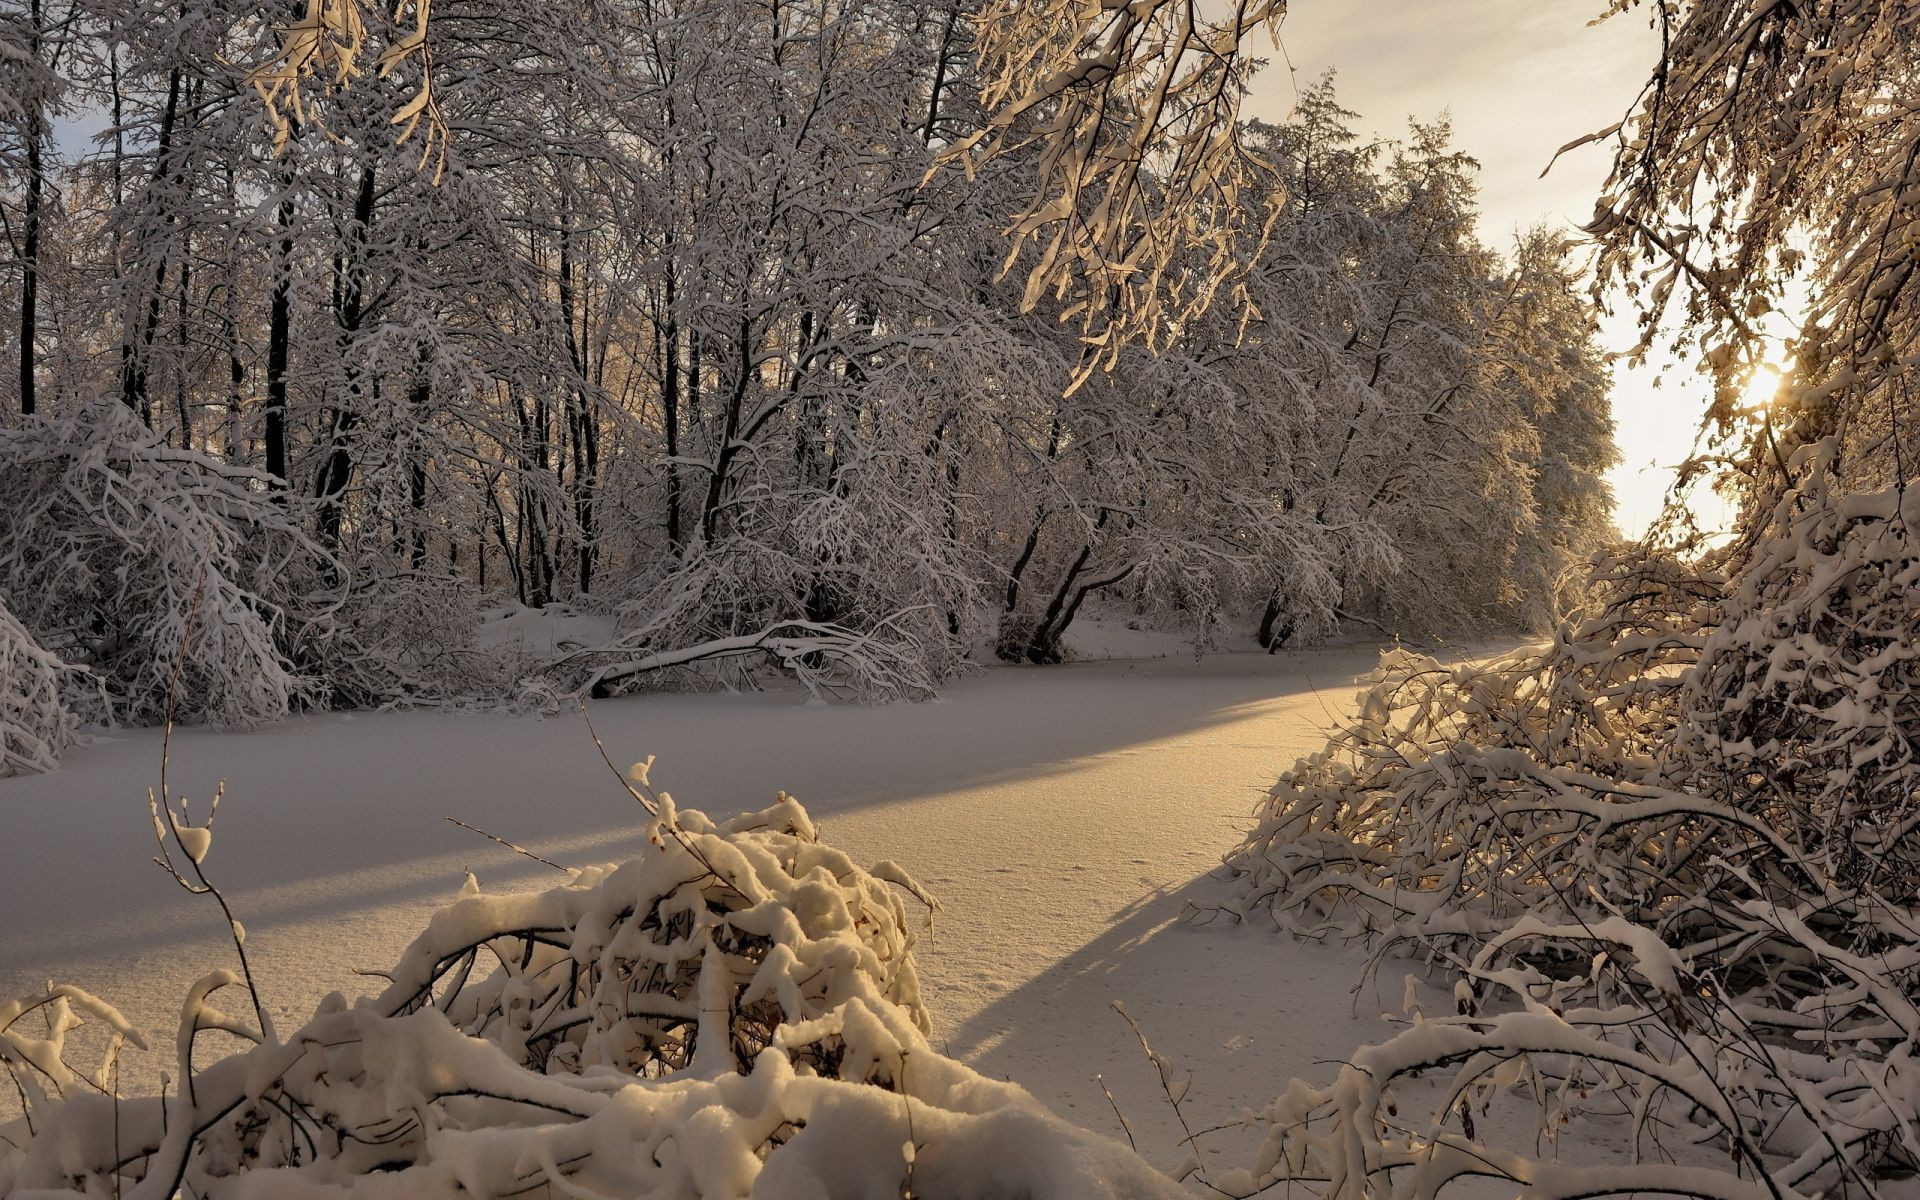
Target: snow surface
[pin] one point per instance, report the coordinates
(1062, 815)
(541, 632)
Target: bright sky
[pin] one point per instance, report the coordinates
(1521, 78)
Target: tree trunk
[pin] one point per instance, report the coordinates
(1273, 631)
(336, 469)
(1044, 645)
(942, 63)
(181, 411)
(730, 430)
(581, 420)
(134, 366)
(419, 395)
(30, 230)
(279, 337)
(670, 402)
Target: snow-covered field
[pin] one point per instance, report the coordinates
(1064, 816)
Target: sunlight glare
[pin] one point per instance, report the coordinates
(1763, 386)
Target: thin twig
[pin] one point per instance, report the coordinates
(517, 849)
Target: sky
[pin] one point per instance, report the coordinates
(1520, 78)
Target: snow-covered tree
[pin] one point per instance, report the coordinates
(1543, 357)
(165, 573)
(705, 315)
(1669, 853)
(1773, 153)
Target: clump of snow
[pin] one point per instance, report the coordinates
(734, 1011)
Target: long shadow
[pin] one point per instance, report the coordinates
(319, 809)
(1237, 1011)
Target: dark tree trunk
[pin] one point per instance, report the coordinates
(279, 337)
(236, 437)
(419, 396)
(730, 431)
(118, 110)
(30, 231)
(336, 469)
(943, 63)
(1044, 644)
(530, 520)
(134, 366)
(182, 412)
(582, 422)
(1275, 632)
(670, 402)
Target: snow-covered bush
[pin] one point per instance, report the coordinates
(732, 1012)
(729, 615)
(35, 722)
(137, 560)
(1807, 696)
(1671, 856)
(403, 637)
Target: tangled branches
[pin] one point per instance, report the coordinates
(735, 1010)
(1671, 857)
(1133, 113)
(756, 606)
(116, 542)
(35, 721)
(389, 637)
(1808, 695)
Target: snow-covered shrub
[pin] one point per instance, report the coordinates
(1386, 827)
(726, 615)
(399, 638)
(35, 722)
(1808, 693)
(732, 1012)
(134, 559)
(1671, 855)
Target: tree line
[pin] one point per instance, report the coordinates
(715, 318)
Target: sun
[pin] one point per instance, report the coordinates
(1762, 386)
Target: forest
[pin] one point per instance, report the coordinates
(869, 352)
(706, 319)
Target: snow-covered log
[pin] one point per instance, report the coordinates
(822, 657)
(730, 613)
(733, 1012)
